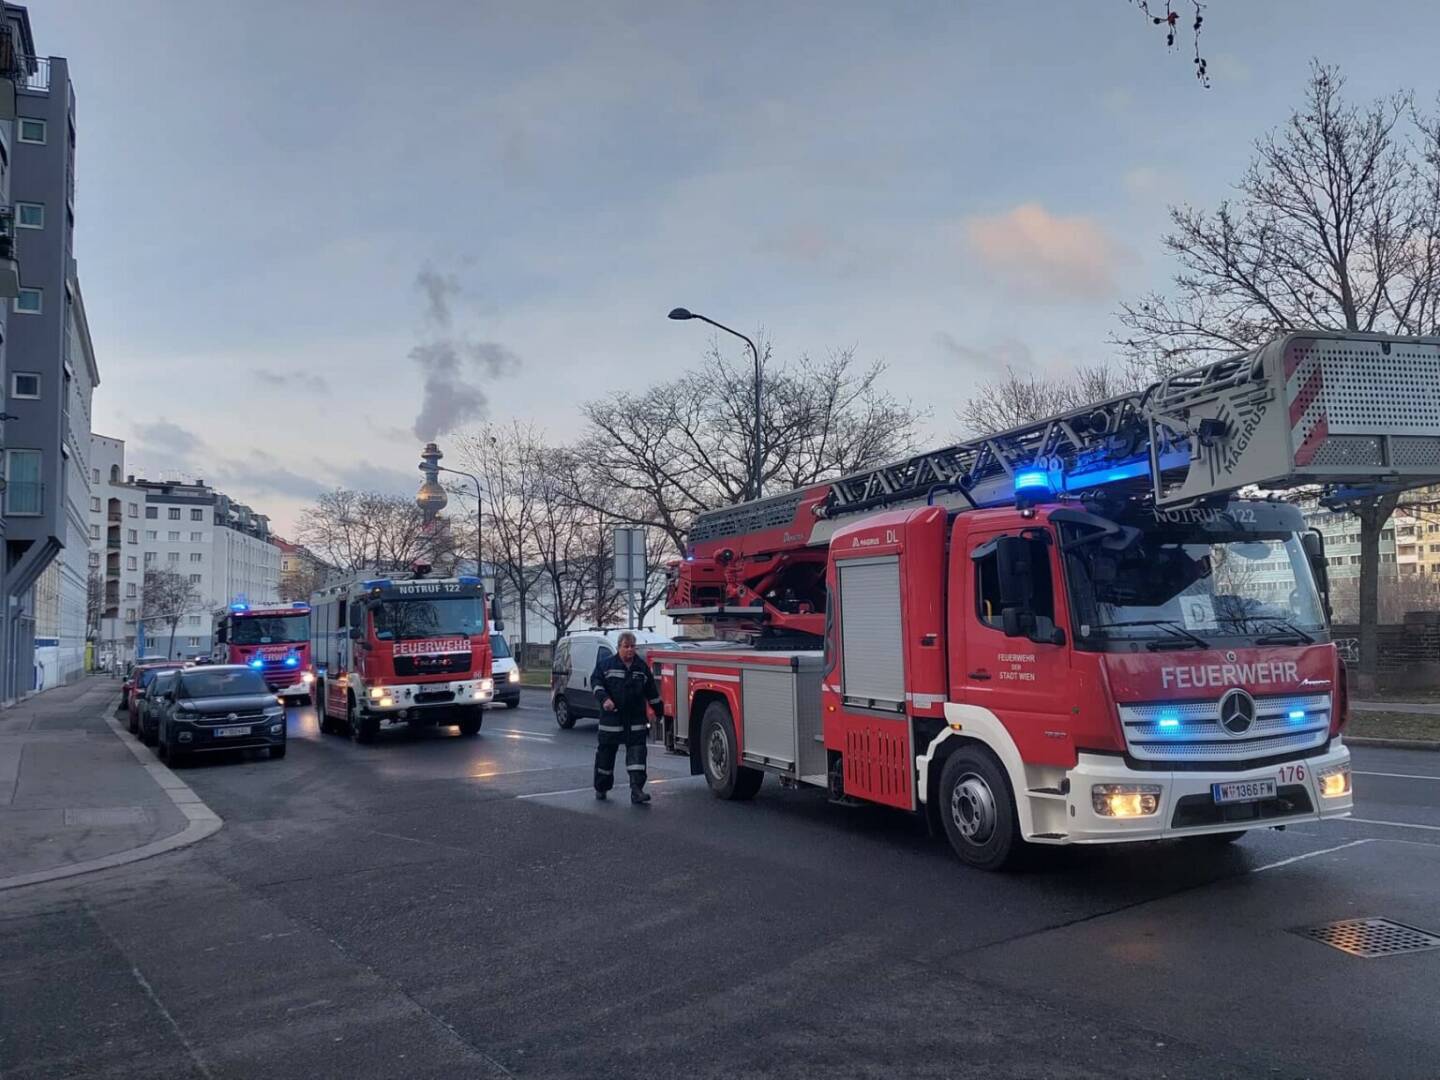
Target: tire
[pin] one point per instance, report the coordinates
(133, 723)
(470, 723)
(162, 748)
(562, 713)
(978, 811)
(363, 729)
(148, 734)
(327, 726)
(278, 752)
(513, 704)
(720, 757)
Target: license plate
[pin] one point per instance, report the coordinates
(1238, 791)
(230, 732)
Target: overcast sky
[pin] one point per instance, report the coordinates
(289, 213)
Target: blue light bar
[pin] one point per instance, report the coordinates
(239, 607)
(292, 661)
(300, 605)
(1109, 475)
(257, 663)
(1032, 480)
(376, 583)
(468, 579)
(1297, 714)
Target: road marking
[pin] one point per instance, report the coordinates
(514, 732)
(577, 790)
(1392, 824)
(1397, 775)
(1312, 854)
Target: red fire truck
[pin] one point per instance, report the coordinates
(401, 649)
(274, 639)
(1074, 632)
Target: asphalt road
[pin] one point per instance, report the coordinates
(451, 907)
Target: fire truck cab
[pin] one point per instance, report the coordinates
(273, 639)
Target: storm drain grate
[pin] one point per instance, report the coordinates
(1369, 938)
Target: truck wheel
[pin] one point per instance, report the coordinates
(327, 726)
(363, 729)
(978, 810)
(470, 722)
(728, 779)
(513, 704)
(562, 714)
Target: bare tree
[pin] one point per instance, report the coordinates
(167, 598)
(369, 530)
(304, 578)
(1336, 225)
(660, 457)
(1024, 397)
(1168, 22)
(564, 539)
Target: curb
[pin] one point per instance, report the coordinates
(1391, 744)
(200, 820)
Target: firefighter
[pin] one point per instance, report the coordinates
(623, 686)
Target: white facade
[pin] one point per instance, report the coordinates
(116, 548)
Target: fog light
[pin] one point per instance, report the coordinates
(275, 729)
(514, 675)
(386, 702)
(477, 693)
(376, 692)
(1335, 782)
(307, 678)
(186, 736)
(1125, 800)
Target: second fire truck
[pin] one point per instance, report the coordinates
(1074, 632)
(402, 648)
(274, 639)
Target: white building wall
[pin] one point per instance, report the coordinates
(107, 475)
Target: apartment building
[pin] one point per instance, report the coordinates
(115, 550)
(301, 570)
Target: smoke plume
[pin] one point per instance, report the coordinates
(452, 367)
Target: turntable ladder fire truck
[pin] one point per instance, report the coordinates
(1073, 632)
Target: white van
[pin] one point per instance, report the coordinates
(505, 671)
(576, 655)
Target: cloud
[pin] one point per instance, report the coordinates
(1007, 352)
(446, 362)
(168, 437)
(304, 380)
(1042, 255)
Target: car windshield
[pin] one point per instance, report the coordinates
(221, 682)
(269, 629)
(1177, 584)
(400, 619)
(148, 674)
(499, 647)
(163, 681)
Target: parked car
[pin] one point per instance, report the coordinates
(144, 718)
(576, 655)
(505, 671)
(220, 707)
(139, 679)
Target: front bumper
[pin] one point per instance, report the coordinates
(1186, 805)
(407, 700)
(191, 738)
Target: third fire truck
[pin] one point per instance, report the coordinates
(402, 648)
(1074, 632)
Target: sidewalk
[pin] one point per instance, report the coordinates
(76, 794)
(1425, 708)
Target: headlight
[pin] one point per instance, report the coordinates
(307, 678)
(514, 675)
(487, 684)
(1125, 800)
(377, 692)
(386, 702)
(1335, 782)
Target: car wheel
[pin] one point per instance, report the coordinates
(133, 723)
(277, 752)
(562, 714)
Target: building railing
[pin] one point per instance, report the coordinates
(37, 78)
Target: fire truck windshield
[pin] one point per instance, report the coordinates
(400, 619)
(1185, 584)
(268, 629)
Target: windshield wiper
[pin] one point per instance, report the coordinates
(1183, 639)
(1296, 634)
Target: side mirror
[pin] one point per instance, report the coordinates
(1314, 544)
(1014, 562)
(357, 633)
(497, 621)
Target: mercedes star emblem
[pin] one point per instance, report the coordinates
(1237, 712)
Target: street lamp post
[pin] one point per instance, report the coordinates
(682, 314)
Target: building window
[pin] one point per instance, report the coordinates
(131, 536)
(131, 563)
(197, 515)
(94, 476)
(25, 384)
(129, 614)
(194, 579)
(94, 559)
(172, 556)
(30, 301)
(151, 534)
(197, 556)
(134, 510)
(130, 590)
(149, 557)
(24, 493)
(194, 620)
(30, 215)
(197, 537)
(174, 513)
(173, 535)
(114, 474)
(94, 532)
(94, 506)
(194, 642)
(152, 512)
(32, 130)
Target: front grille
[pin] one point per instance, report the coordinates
(1192, 811)
(1191, 731)
(445, 664)
(227, 720)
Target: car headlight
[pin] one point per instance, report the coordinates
(386, 702)
(1334, 782)
(514, 675)
(1125, 800)
(487, 684)
(377, 692)
(307, 678)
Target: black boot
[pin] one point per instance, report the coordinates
(638, 797)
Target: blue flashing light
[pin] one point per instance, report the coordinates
(239, 607)
(257, 663)
(376, 583)
(292, 661)
(1032, 480)
(1297, 714)
(468, 579)
(300, 605)
(1169, 721)
(1111, 475)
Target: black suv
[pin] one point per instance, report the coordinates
(220, 707)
